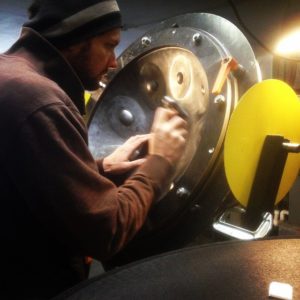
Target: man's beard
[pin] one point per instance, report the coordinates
(81, 64)
(88, 83)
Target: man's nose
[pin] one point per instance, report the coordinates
(113, 62)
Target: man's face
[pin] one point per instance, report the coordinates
(93, 58)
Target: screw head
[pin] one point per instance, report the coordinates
(146, 41)
(197, 38)
(219, 99)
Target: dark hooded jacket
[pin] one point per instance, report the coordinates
(57, 204)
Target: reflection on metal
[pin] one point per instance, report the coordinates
(211, 150)
(179, 58)
(170, 103)
(182, 193)
(102, 85)
(291, 147)
(151, 86)
(126, 117)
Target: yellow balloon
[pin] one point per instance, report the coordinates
(270, 107)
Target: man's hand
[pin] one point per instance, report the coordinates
(168, 135)
(119, 161)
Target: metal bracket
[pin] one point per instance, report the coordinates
(256, 220)
(231, 222)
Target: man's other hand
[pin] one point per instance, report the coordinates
(122, 159)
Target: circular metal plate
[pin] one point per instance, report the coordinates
(145, 83)
(270, 107)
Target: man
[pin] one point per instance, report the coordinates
(58, 205)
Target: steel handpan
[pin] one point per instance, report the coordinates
(128, 106)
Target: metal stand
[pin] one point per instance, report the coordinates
(256, 220)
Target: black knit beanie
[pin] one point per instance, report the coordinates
(66, 22)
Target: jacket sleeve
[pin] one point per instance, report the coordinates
(61, 183)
